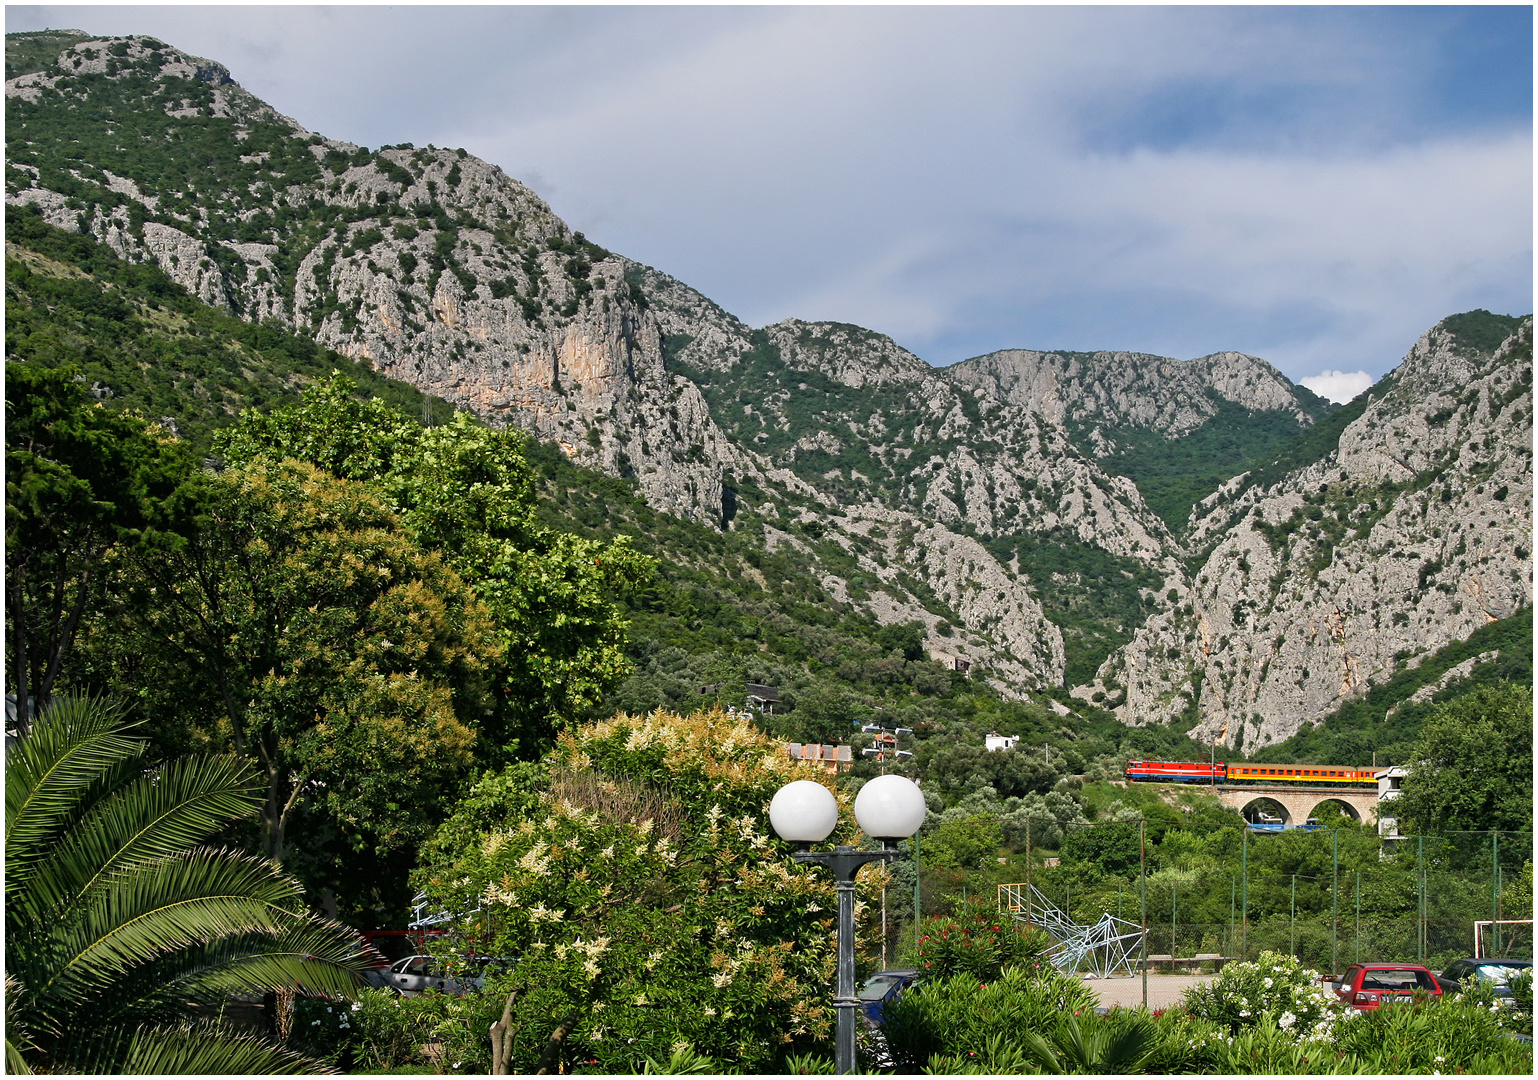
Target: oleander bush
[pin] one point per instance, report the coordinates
(978, 940)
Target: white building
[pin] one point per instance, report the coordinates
(1001, 742)
(1389, 782)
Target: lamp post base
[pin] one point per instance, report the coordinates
(845, 862)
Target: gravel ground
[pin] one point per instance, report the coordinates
(1163, 990)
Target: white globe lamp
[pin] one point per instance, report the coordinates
(803, 812)
(889, 808)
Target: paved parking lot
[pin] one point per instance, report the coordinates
(1163, 990)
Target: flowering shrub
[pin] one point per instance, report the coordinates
(1276, 987)
(1446, 1035)
(978, 940)
(383, 1030)
(646, 901)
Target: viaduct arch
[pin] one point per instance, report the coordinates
(1299, 803)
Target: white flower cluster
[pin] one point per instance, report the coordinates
(540, 913)
(535, 860)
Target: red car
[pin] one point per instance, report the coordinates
(1367, 986)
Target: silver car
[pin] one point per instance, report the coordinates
(418, 973)
(415, 974)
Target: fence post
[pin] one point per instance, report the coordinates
(1244, 897)
(1028, 893)
(1420, 900)
(1495, 887)
(1233, 891)
(1335, 906)
(1142, 879)
(1292, 920)
(918, 885)
(1358, 934)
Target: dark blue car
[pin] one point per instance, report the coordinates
(884, 987)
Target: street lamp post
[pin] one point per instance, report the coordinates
(888, 808)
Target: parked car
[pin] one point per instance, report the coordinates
(1367, 986)
(415, 974)
(885, 987)
(1497, 973)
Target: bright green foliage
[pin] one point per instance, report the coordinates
(1472, 767)
(115, 919)
(463, 490)
(942, 1024)
(648, 904)
(327, 646)
(978, 941)
(1119, 1044)
(1274, 986)
(1427, 1036)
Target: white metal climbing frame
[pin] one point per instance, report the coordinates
(1101, 949)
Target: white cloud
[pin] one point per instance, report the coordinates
(1338, 386)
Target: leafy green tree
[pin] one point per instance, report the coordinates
(1112, 848)
(327, 646)
(1472, 767)
(78, 481)
(961, 767)
(465, 491)
(119, 930)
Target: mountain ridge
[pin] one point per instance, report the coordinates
(1066, 508)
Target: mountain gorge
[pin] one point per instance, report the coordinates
(1198, 543)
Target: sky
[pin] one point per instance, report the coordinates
(1316, 186)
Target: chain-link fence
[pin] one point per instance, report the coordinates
(1212, 893)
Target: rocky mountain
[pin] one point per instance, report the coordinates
(1182, 540)
(1412, 532)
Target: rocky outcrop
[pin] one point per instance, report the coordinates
(1414, 532)
(1106, 391)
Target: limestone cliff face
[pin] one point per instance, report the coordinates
(1413, 533)
(1104, 391)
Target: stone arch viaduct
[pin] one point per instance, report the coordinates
(1299, 803)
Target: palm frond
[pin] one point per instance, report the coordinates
(164, 906)
(205, 1049)
(152, 816)
(17, 1040)
(70, 744)
(314, 955)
